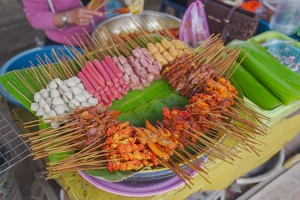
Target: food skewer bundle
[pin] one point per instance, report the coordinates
(131, 148)
(94, 138)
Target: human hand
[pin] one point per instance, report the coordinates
(81, 16)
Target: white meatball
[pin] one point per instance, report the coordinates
(57, 101)
(64, 88)
(40, 112)
(55, 93)
(59, 109)
(80, 98)
(85, 104)
(52, 113)
(76, 90)
(34, 107)
(69, 95)
(71, 82)
(71, 105)
(67, 108)
(76, 79)
(47, 108)
(37, 97)
(52, 85)
(86, 94)
(75, 102)
(45, 118)
(80, 86)
(55, 124)
(42, 103)
(58, 81)
(49, 101)
(93, 101)
(44, 93)
(65, 98)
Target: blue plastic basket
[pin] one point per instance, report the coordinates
(287, 54)
(21, 61)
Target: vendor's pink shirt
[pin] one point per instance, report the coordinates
(41, 17)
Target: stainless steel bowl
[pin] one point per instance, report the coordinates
(113, 24)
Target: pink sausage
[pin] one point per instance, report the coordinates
(113, 90)
(106, 89)
(108, 93)
(118, 96)
(87, 84)
(104, 99)
(91, 79)
(103, 72)
(95, 74)
(110, 73)
(100, 92)
(121, 81)
(111, 97)
(113, 66)
(121, 91)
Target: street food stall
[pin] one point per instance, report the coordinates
(144, 110)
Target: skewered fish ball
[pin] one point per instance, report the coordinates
(55, 124)
(45, 118)
(34, 107)
(59, 109)
(93, 101)
(47, 108)
(42, 103)
(64, 88)
(80, 86)
(85, 104)
(69, 95)
(52, 85)
(58, 81)
(40, 112)
(49, 101)
(76, 79)
(37, 97)
(55, 93)
(80, 98)
(44, 93)
(51, 113)
(71, 82)
(76, 90)
(75, 102)
(65, 98)
(71, 105)
(57, 101)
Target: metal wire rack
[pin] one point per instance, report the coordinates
(13, 149)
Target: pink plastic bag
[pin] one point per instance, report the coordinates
(193, 27)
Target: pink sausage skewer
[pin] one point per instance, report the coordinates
(110, 73)
(103, 72)
(111, 97)
(95, 74)
(113, 66)
(122, 82)
(87, 84)
(113, 90)
(91, 79)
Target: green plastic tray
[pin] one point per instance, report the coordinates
(269, 35)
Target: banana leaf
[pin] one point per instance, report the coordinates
(136, 107)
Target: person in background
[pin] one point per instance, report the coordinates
(62, 19)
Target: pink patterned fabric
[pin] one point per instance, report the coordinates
(41, 17)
